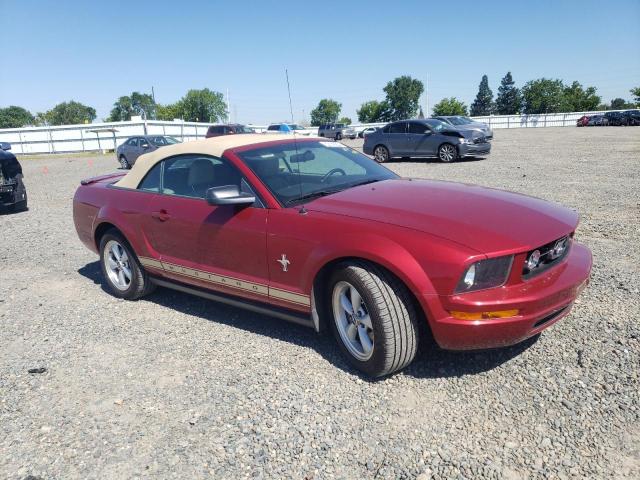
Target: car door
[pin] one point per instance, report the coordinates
(396, 138)
(128, 149)
(422, 142)
(216, 247)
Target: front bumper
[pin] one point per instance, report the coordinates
(541, 301)
(474, 149)
(7, 195)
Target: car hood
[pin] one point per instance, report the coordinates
(483, 219)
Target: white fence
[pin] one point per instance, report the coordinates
(107, 136)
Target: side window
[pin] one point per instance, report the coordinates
(143, 142)
(273, 127)
(193, 175)
(416, 127)
(399, 127)
(132, 142)
(151, 182)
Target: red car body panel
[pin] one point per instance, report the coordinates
(425, 232)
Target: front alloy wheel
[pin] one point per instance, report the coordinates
(124, 163)
(447, 153)
(381, 154)
(374, 318)
(353, 321)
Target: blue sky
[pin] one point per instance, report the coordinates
(94, 52)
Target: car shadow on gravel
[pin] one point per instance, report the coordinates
(431, 361)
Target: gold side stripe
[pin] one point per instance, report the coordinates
(289, 296)
(257, 288)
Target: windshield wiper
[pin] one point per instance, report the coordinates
(364, 182)
(309, 196)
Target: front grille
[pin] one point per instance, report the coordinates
(549, 256)
(480, 140)
(549, 317)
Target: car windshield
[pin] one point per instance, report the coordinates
(243, 129)
(295, 127)
(437, 125)
(162, 140)
(459, 120)
(297, 172)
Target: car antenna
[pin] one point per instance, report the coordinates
(302, 210)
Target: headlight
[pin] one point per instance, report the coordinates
(489, 273)
(464, 140)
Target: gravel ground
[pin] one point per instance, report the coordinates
(174, 386)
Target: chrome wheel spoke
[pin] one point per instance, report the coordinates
(356, 300)
(115, 251)
(121, 279)
(346, 303)
(124, 257)
(112, 263)
(366, 321)
(365, 341)
(127, 273)
(352, 330)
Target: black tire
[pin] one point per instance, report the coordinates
(447, 153)
(338, 136)
(140, 285)
(381, 154)
(392, 314)
(124, 163)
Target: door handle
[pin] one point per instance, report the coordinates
(162, 215)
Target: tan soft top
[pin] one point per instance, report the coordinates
(214, 146)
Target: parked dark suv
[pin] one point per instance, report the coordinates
(616, 118)
(13, 194)
(632, 116)
(230, 129)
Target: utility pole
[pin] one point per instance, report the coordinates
(228, 107)
(427, 114)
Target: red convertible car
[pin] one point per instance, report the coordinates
(316, 233)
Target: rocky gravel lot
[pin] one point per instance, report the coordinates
(174, 386)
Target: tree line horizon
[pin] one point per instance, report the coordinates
(402, 96)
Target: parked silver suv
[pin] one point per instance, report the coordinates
(337, 131)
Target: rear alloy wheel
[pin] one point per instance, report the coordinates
(447, 153)
(124, 163)
(374, 320)
(121, 269)
(381, 154)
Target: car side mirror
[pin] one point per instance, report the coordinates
(5, 146)
(228, 195)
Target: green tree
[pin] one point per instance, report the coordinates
(69, 113)
(403, 94)
(636, 94)
(15, 117)
(449, 106)
(327, 111)
(136, 104)
(509, 99)
(620, 104)
(542, 96)
(577, 99)
(373, 112)
(203, 106)
(169, 112)
(345, 120)
(483, 104)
